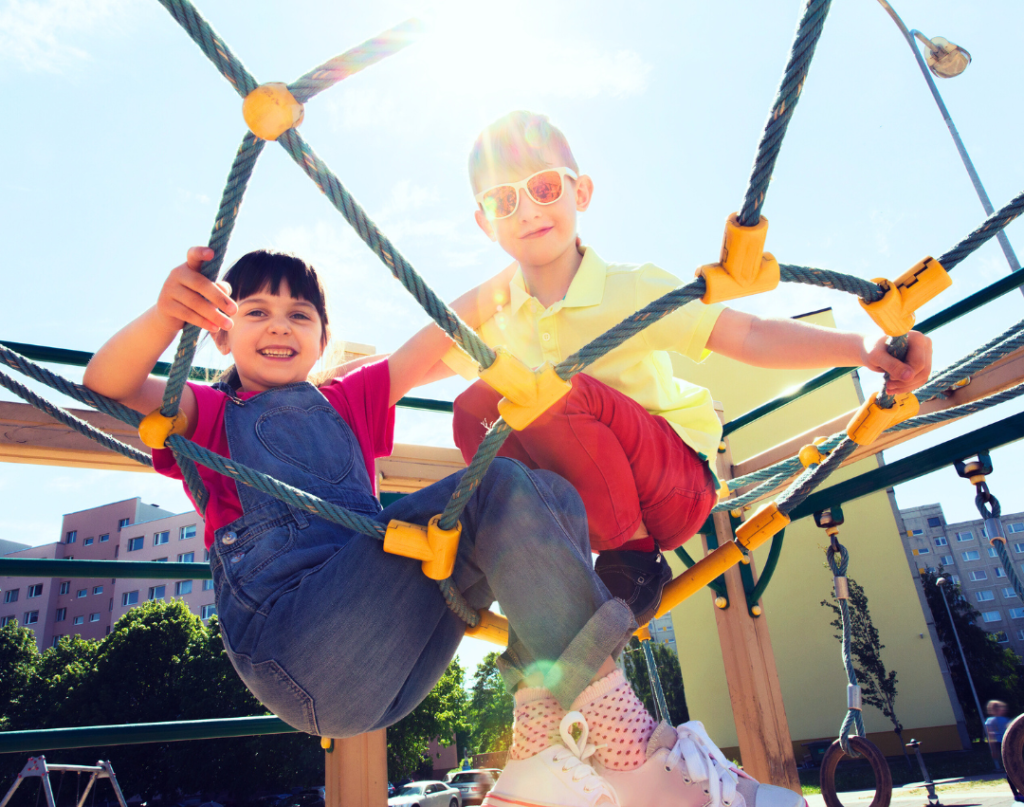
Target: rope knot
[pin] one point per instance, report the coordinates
(271, 110)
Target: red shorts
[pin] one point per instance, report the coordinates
(628, 465)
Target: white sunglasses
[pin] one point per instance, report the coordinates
(545, 188)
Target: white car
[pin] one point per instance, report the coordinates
(426, 794)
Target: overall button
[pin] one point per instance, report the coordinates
(237, 557)
(229, 538)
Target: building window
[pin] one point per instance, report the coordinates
(941, 541)
(979, 574)
(970, 555)
(161, 537)
(1019, 547)
(1017, 613)
(34, 591)
(992, 552)
(122, 523)
(207, 585)
(1001, 637)
(11, 595)
(934, 521)
(7, 620)
(1000, 571)
(187, 557)
(1020, 633)
(71, 537)
(208, 611)
(182, 587)
(923, 550)
(985, 596)
(61, 615)
(130, 598)
(1009, 593)
(104, 538)
(134, 544)
(955, 578)
(56, 640)
(965, 536)
(94, 617)
(83, 592)
(917, 532)
(31, 617)
(947, 560)
(992, 616)
(157, 592)
(187, 532)
(206, 556)
(97, 589)
(88, 542)
(160, 560)
(78, 620)
(65, 587)
(1016, 526)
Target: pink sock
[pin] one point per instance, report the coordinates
(618, 721)
(535, 723)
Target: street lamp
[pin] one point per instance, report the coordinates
(947, 60)
(942, 582)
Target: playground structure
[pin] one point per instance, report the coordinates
(994, 372)
(39, 768)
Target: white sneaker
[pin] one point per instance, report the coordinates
(685, 769)
(556, 777)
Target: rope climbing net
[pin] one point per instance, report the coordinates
(273, 110)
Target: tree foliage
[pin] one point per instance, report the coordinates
(18, 660)
(635, 666)
(489, 711)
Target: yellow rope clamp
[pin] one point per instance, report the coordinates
(643, 633)
(156, 428)
(528, 393)
(894, 313)
(810, 454)
(761, 526)
(491, 628)
(723, 491)
(743, 268)
(271, 110)
(430, 544)
(871, 420)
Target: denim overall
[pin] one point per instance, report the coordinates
(337, 637)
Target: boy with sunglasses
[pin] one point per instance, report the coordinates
(632, 439)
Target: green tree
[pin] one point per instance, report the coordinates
(996, 670)
(440, 715)
(877, 685)
(667, 662)
(489, 712)
(18, 660)
(60, 680)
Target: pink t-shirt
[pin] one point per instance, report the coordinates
(361, 398)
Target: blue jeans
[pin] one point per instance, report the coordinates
(337, 637)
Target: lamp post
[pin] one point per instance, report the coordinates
(947, 60)
(942, 582)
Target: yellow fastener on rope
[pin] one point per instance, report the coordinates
(509, 376)
(743, 267)
(810, 454)
(430, 544)
(643, 633)
(156, 428)
(271, 110)
(528, 393)
(491, 628)
(723, 491)
(894, 313)
(761, 526)
(871, 420)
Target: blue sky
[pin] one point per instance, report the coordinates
(120, 134)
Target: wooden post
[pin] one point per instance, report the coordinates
(757, 708)
(357, 771)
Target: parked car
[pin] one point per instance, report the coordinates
(475, 784)
(426, 794)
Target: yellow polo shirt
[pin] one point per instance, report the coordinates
(600, 297)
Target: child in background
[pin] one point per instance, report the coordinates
(995, 728)
(633, 440)
(331, 633)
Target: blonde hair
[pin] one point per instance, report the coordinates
(517, 141)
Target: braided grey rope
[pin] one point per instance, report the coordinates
(867, 290)
(1007, 342)
(854, 720)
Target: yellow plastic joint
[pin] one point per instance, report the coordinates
(810, 455)
(894, 313)
(491, 628)
(761, 526)
(430, 544)
(528, 393)
(723, 491)
(743, 267)
(271, 110)
(643, 633)
(156, 428)
(871, 420)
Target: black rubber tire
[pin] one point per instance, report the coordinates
(453, 803)
(867, 749)
(1013, 753)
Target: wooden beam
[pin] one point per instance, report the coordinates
(357, 771)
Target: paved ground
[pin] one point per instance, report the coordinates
(984, 791)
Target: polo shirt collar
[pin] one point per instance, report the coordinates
(587, 288)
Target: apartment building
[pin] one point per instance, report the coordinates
(125, 530)
(962, 552)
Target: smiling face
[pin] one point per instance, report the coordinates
(276, 339)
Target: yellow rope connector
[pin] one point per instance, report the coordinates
(643, 633)
(723, 491)
(271, 110)
(434, 546)
(743, 267)
(528, 393)
(871, 420)
(761, 526)
(894, 313)
(491, 628)
(810, 454)
(156, 428)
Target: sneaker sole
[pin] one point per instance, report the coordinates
(506, 801)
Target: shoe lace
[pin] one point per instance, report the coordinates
(704, 763)
(576, 751)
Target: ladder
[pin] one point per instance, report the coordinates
(39, 768)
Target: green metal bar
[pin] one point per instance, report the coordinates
(125, 569)
(777, 403)
(931, 459)
(80, 358)
(138, 733)
(768, 571)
